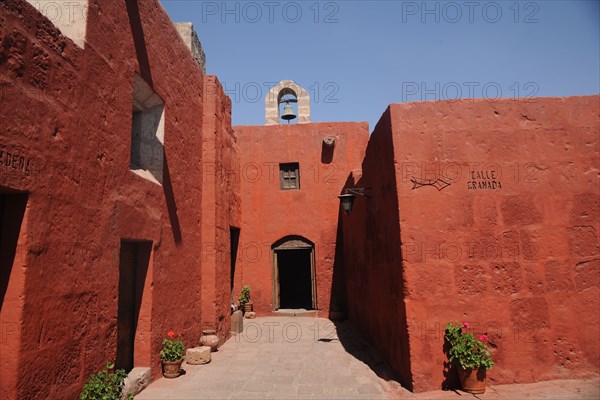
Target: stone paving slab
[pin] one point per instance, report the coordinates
(276, 358)
(565, 389)
(303, 358)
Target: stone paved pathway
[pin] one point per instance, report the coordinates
(303, 358)
(276, 358)
(565, 389)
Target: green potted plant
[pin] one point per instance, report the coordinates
(471, 356)
(172, 356)
(245, 302)
(106, 384)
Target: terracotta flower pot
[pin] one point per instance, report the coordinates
(472, 380)
(248, 306)
(171, 369)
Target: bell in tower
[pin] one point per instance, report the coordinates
(287, 101)
(288, 110)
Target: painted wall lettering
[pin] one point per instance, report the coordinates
(484, 180)
(15, 161)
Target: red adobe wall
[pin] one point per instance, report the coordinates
(528, 270)
(270, 214)
(518, 262)
(221, 207)
(66, 118)
(372, 267)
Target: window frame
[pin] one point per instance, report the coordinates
(289, 176)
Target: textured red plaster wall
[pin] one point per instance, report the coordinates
(221, 207)
(372, 266)
(270, 214)
(520, 262)
(67, 112)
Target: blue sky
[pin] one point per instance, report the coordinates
(356, 57)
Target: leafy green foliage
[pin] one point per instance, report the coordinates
(105, 385)
(172, 350)
(245, 295)
(465, 350)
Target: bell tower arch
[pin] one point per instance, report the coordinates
(274, 97)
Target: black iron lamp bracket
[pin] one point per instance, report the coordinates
(357, 191)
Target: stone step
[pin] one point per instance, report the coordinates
(300, 312)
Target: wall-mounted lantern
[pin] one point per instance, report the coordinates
(347, 199)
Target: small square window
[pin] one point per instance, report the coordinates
(147, 132)
(289, 176)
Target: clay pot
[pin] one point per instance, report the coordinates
(210, 339)
(472, 380)
(171, 369)
(248, 307)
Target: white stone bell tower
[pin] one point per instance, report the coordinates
(273, 99)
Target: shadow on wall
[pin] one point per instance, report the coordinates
(368, 270)
(139, 40)
(338, 303)
(450, 381)
(348, 335)
(171, 204)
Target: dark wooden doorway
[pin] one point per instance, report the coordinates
(12, 211)
(294, 277)
(234, 240)
(133, 267)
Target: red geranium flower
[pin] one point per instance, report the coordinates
(483, 338)
(171, 334)
(466, 325)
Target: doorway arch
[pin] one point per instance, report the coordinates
(294, 273)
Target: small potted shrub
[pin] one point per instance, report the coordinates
(172, 356)
(106, 385)
(245, 302)
(471, 356)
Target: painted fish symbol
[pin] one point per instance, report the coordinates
(439, 184)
